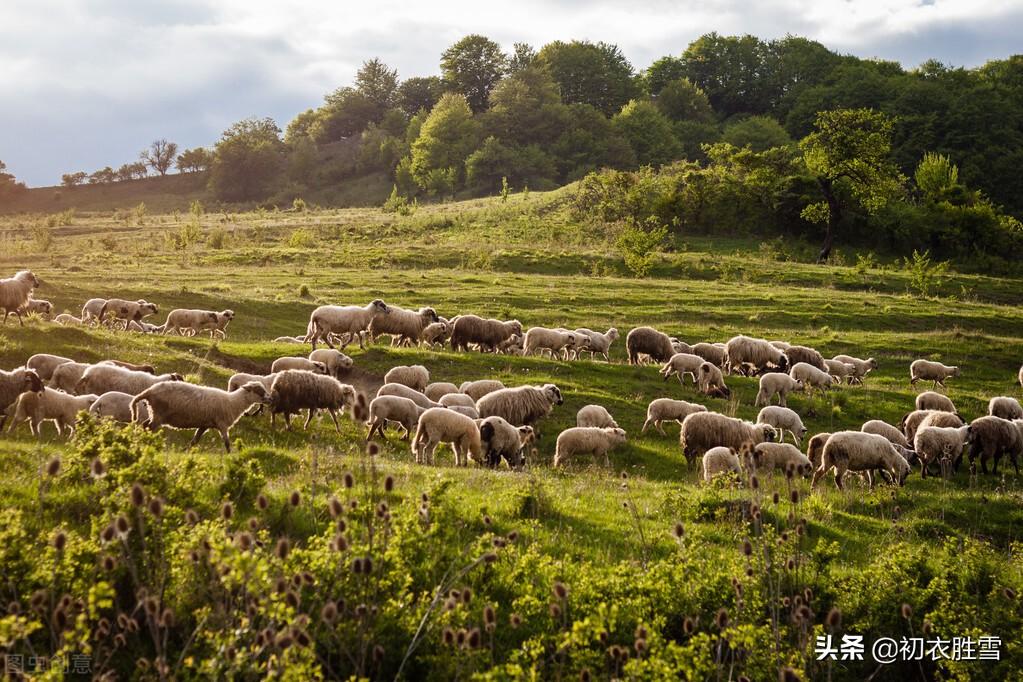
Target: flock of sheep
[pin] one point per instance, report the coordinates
(489, 422)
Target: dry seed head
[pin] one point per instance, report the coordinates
(60, 541)
(138, 495)
(97, 468)
(640, 646)
(834, 617)
(721, 619)
(227, 511)
(515, 620)
(262, 502)
(560, 591)
(475, 638)
(282, 549)
(378, 654)
(389, 483)
(794, 496)
(679, 530)
(244, 541)
(776, 498)
(156, 507)
(788, 675)
(747, 547)
(122, 525)
(295, 498)
(555, 611)
(191, 517)
(373, 449)
(907, 611)
(466, 595)
(53, 467)
(688, 625)
(448, 636)
(489, 615)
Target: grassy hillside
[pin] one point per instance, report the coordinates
(949, 549)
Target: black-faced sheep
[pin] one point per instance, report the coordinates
(928, 370)
(1005, 407)
(50, 405)
(393, 408)
(15, 292)
(704, 430)
(720, 460)
(588, 440)
(404, 326)
(488, 334)
(522, 405)
(757, 353)
(351, 320)
(413, 376)
(776, 384)
(295, 390)
(662, 410)
(502, 440)
(783, 419)
(440, 425)
(647, 341)
(991, 438)
(930, 400)
(44, 364)
(858, 451)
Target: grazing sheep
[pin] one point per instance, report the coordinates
(781, 345)
(711, 381)
(241, 378)
(681, 364)
(666, 410)
(1001, 406)
(882, 428)
(704, 430)
(117, 406)
(453, 399)
(336, 362)
(840, 370)
(15, 292)
(44, 364)
(148, 369)
(92, 309)
(393, 408)
(930, 400)
(858, 451)
(771, 456)
(436, 334)
(66, 376)
(124, 310)
(914, 420)
(939, 444)
(582, 440)
(811, 377)
(440, 425)
(711, 352)
(478, 389)
(541, 339)
(437, 389)
(102, 378)
(50, 405)
(466, 410)
(405, 326)
(860, 367)
(181, 405)
(502, 440)
(815, 448)
(599, 343)
(776, 384)
(302, 364)
(406, 392)
(513, 345)
(144, 327)
(931, 371)
(783, 419)
(12, 385)
(758, 353)
(39, 306)
(413, 376)
(991, 437)
(488, 334)
(720, 460)
(352, 320)
(594, 415)
(648, 341)
(183, 320)
(522, 405)
(68, 320)
(295, 390)
(797, 354)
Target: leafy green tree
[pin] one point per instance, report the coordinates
(302, 125)
(495, 163)
(663, 71)
(648, 131)
(346, 113)
(160, 155)
(247, 161)
(73, 179)
(523, 57)
(418, 94)
(194, 160)
(473, 66)
(448, 135)
(737, 73)
(757, 132)
(302, 162)
(849, 152)
(588, 142)
(378, 83)
(595, 74)
(521, 108)
(680, 100)
(936, 175)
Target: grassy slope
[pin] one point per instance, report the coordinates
(527, 259)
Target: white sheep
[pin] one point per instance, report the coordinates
(811, 356)
(711, 352)
(457, 399)
(914, 420)
(406, 392)
(929, 370)
(290, 339)
(501, 440)
(720, 460)
(117, 406)
(811, 377)
(38, 306)
(784, 456)
(1002, 406)
(577, 343)
(351, 320)
(776, 384)
(588, 440)
(336, 362)
(599, 343)
(435, 333)
(67, 375)
(858, 451)
(12, 385)
(596, 416)
(15, 292)
(413, 376)
(883, 428)
(815, 448)
(643, 342)
(1020, 376)
(393, 408)
(704, 430)
(295, 390)
(478, 389)
(124, 310)
(437, 389)
(681, 364)
(522, 405)
(552, 341)
(182, 320)
(757, 353)
(471, 412)
(931, 400)
(91, 310)
(51, 405)
(711, 381)
(238, 380)
(440, 425)
(488, 334)
(181, 405)
(68, 320)
(301, 364)
(840, 371)
(44, 364)
(666, 410)
(783, 419)
(405, 326)
(939, 444)
(860, 367)
(102, 378)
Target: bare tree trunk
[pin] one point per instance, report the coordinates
(834, 217)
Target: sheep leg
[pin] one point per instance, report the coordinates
(198, 434)
(312, 411)
(333, 415)
(227, 441)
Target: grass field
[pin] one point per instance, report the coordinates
(949, 549)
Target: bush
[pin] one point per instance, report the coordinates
(639, 247)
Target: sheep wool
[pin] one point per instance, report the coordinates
(704, 430)
(757, 353)
(860, 367)
(858, 451)
(488, 334)
(930, 400)
(783, 419)
(50, 405)
(662, 410)
(882, 428)
(810, 356)
(440, 425)
(711, 380)
(596, 416)
(501, 440)
(991, 438)
(599, 343)
(440, 388)
(928, 370)
(406, 392)
(938, 444)
(775, 456)
(521, 406)
(300, 364)
(648, 342)
(101, 378)
(681, 364)
(1005, 407)
(295, 390)
(117, 406)
(336, 362)
(328, 320)
(588, 440)
(815, 448)
(811, 377)
(15, 292)
(393, 408)
(718, 461)
(44, 364)
(405, 326)
(414, 376)
(776, 384)
(12, 385)
(67, 375)
(478, 389)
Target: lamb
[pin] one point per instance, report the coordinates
(681, 364)
(840, 370)
(798, 354)
(66, 376)
(117, 406)
(711, 381)
(588, 440)
(440, 388)
(396, 409)
(127, 310)
(181, 405)
(521, 406)
(1005, 407)
(403, 325)
(457, 399)
(776, 384)
(68, 320)
(487, 333)
(241, 378)
(914, 420)
(770, 456)
(648, 341)
(478, 389)
(860, 367)
(711, 352)
(145, 327)
(704, 430)
(295, 390)
(513, 345)
(13, 384)
(101, 378)
(51, 405)
(744, 350)
(931, 371)
(599, 343)
(858, 451)
(406, 392)
(720, 460)
(783, 419)
(815, 448)
(882, 428)
(811, 377)
(302, 364)
(15, 292)
(939, 444)
(991, 437)
(352, 320)
(665, 409)
(92, 309)
(502, 440)
(39, 306)
(336, 362)
(183, 320)
(44, 364)
(413, 376)
(930, 400)
(435, 334)
(596, 416)
(441, 425)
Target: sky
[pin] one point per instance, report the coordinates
(90, 83)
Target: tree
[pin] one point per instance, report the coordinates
(848, 152)
(247, 160)
(160, 155)
(131, 171)
(737, 73)
(648, 131)
(663, 71)
(595, 74)
(73, 179)
(9, 186)
(520, 108)
(760, 133)
(494, 163)
(448, 135)
(588, 142)
(417, 94)
(473, 66)
(523, 57)
(194, 160)
(346, 113)
(302, 126)
(680, 100)
(377, 83)
(103, 176)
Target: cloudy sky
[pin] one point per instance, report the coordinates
(89, 83)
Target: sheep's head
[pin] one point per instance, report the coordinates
(612, 333)
(379, 307)
(174, 376)
(553, 394)
(515, 326)
(227, 315)
(618, 435)
(768, 433)
(26, 276)
(257, 392)
(783, 362)
(526, 435)
(147, 308)
(32, 382)
(319, 367)
(344, 362)
(955, 371)
(901, 470)
(429, 314)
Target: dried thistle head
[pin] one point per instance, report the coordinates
(721, 618)
(834, 619)
(97, 468)
(191, 517)
(156, 507)
(262, 502)
(560, 590)
(679, 531)
(295, 498)
(53, 467)
(227, 511)
(137, 495)
(389, 484)
(59, 541)
(907, 611)
(282, 549)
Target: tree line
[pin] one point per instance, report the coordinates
(159, 157)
